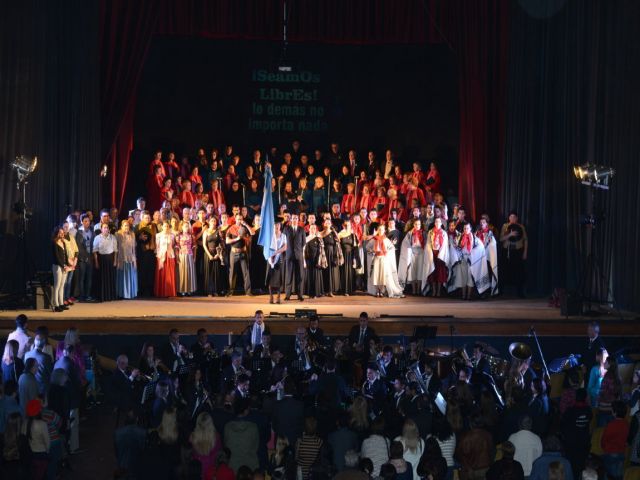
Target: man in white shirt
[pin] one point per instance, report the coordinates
(253, 334)
(528, 445)
(20, 334)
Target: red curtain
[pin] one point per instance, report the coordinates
(476, 32)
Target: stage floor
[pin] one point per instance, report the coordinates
(496, 317)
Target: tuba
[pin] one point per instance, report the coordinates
(415, 375)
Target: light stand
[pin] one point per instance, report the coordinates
(594, 287)
(21, 299)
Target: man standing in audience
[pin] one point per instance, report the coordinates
(20, 334)
(45, 363)
(528, 445)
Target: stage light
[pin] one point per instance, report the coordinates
(596, 176)
(24, 167)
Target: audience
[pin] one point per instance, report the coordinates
(253, 415)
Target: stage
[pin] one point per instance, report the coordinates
(501, 317)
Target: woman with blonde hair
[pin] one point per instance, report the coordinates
(280, 458)
(359, 418)
(412, 443)
(185, 246)
(205, 442)
(126, 265)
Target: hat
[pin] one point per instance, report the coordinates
(34, 407)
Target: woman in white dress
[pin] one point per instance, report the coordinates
(383, 276)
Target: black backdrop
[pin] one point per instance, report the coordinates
(199, 92)
(49, 107)
(573, 98)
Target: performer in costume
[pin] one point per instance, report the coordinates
(383, 276)
(126, 264)
(105, 247)
(214, 257)
(349, 245)
(412, 263)
(165, 279)
(436, 259)
(468, 264)
(486, 235)
(334, 258)
(185, 245)
(315, 261)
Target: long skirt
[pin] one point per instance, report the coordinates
(127, 281)
(186, 273)
(315, 287)
(275, 274)
(213, 277)
(165, 284)
(378, 271)
(439, 274)
(331, 274)
(347, 274)
(200, 260)
(107, 278)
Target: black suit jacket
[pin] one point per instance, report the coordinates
(354, 336)
(295, 243)
(168, 356)
(121, 390)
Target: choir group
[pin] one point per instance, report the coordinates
(340, 228)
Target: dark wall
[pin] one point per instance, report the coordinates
(200, 92)
(49, 107)
(573, 98)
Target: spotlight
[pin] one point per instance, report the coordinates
(24, 167)
(596, 176)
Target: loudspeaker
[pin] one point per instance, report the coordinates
(570, 304)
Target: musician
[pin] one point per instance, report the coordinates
(400, 398)
(263, 351)
(173, 354)
(149, 364)
(374, 389)
(314, 332)
(300, 341)
(276, 368)
(360, 336)
(478, 363)
(330, 387)
(202, 350)
(386, 366)
(243, 386)
(252, 335)
(122, 383)
(231, 372)
(432, 383)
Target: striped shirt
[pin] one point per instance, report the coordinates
(307, 451)
(448, 448)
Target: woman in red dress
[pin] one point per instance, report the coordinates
(165, 280)
(348, 205)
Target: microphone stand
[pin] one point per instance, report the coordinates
(532, 333)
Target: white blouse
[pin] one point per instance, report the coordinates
(105, 245)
